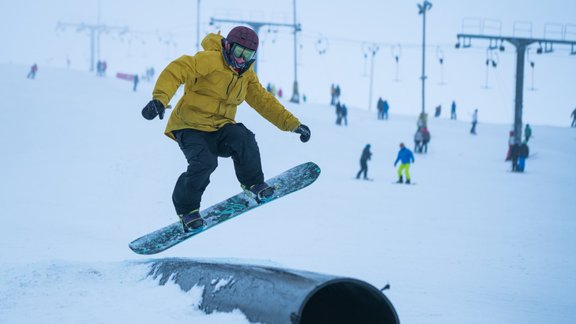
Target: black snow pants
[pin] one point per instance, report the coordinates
(363, 169)
(202, 150)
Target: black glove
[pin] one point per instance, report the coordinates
(152, 109)
(304, 132)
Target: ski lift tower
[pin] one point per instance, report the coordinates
(95, 30)
(256, 25)
(545, 45)
(422, 9)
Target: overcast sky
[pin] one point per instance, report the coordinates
(162, 31)
(30, 24)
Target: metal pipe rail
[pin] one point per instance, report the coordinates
(275, 295)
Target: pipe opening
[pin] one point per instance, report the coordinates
(348, 302)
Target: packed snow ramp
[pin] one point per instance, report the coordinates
(278, 296)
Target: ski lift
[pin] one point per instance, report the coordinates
(322, 45)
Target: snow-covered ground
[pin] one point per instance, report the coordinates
(82, 174)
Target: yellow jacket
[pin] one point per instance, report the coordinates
(213, 91)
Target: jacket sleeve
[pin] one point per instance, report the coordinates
(174, 75)
(269, 107)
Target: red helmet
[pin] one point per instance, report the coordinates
(243, 36)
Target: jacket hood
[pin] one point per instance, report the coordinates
(212, 42)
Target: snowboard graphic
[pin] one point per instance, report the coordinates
(287, 182)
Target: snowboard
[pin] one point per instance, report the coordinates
(404, 183)
(287, 182)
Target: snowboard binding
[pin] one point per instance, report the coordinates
(260, 192)
(191, 221)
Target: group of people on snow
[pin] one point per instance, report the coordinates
(341, 114)
(421, 140)
(272, 89)
(519, 151)
(382, 107)
(404, 156)
(217, 80)
(334, 94)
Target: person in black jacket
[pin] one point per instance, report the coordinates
(514, 154)
(523, 152)
(380, 107)
(366, 155)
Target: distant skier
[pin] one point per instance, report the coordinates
(344, 114)
(523, 153)
(425, 140)
(514, 154)
(33, 70)
(573, 118)
(438, 111)
(216, 81)
(332, 95)
(418, 139)
(527, 132)
(405, 157)
(366, 155)
(474, 122)
(453, 110)
(511, 141)
(338, 107)
(380, 108)
(386, 107)
(136, 80)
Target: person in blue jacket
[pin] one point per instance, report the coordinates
(405, 157)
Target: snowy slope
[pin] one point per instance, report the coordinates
(83, 174)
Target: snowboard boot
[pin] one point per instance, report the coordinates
(191, 221)
(260, 192)
(400, 180)
(407, 181)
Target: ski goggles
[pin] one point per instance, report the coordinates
(240, 51)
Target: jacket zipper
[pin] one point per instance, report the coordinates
(228, 88)
(239, 90)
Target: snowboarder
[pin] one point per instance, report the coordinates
(405, 157)
(366, 155)
(474, 122)
(216, 81)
